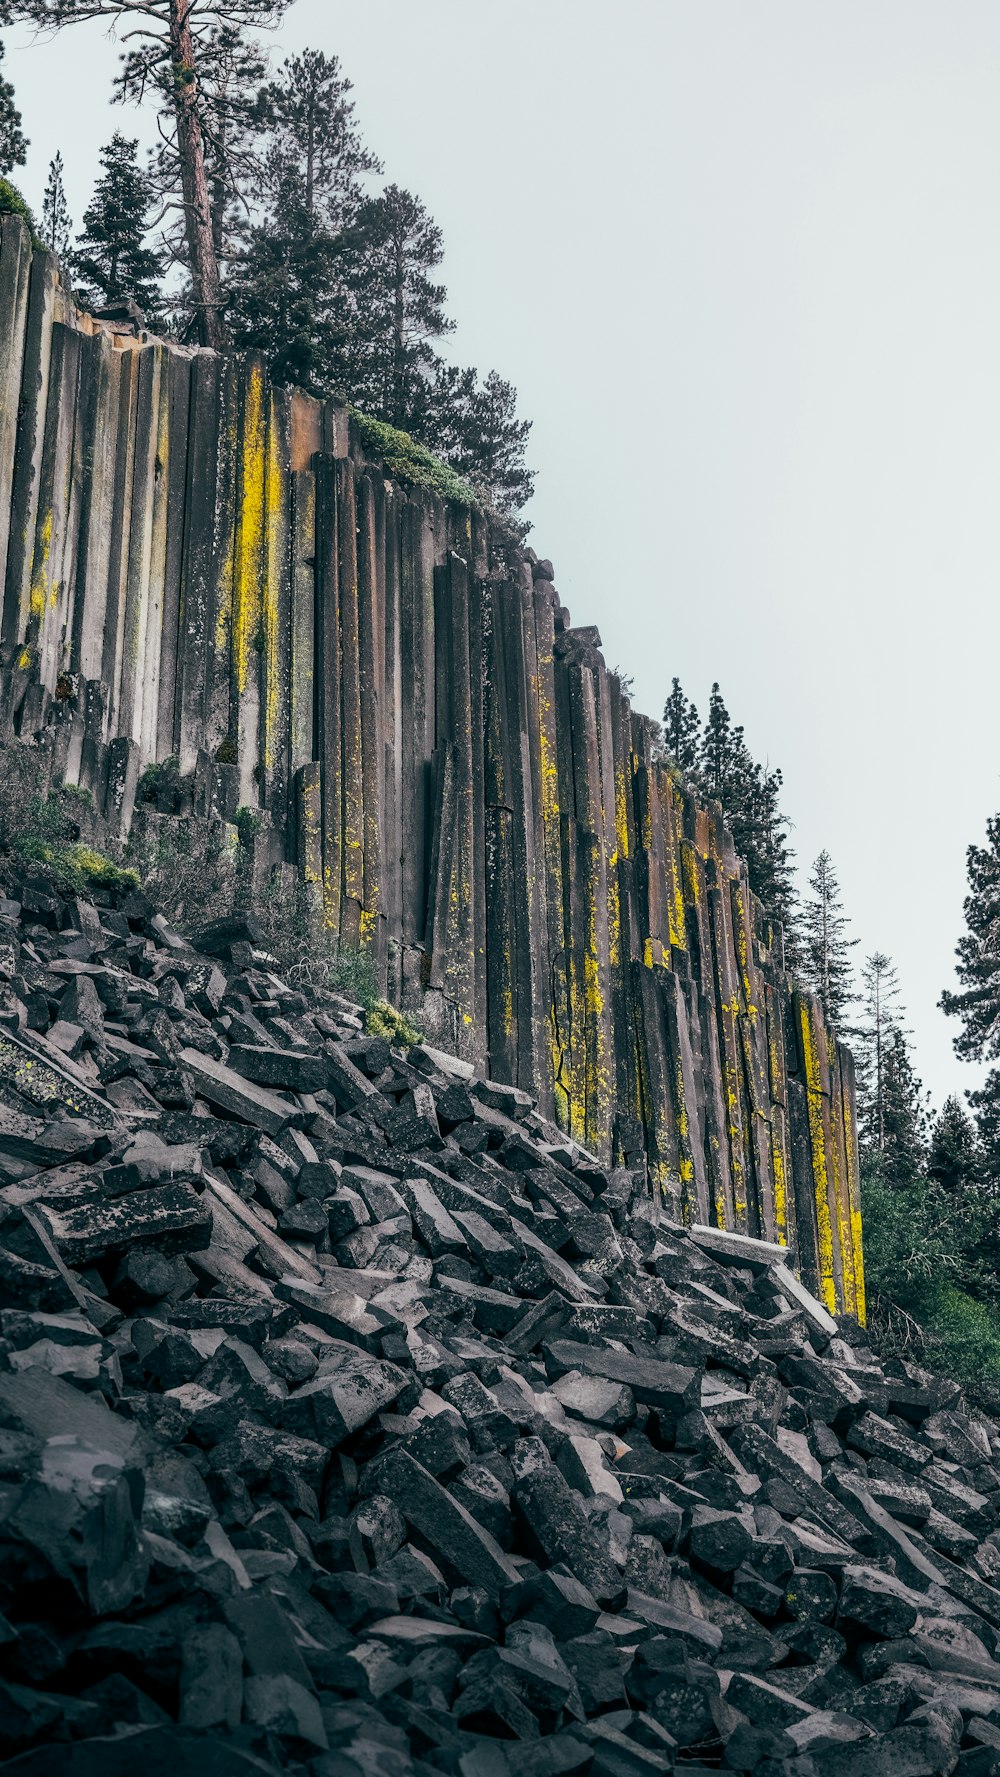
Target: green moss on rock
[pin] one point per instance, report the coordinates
(78, 866)
(407, 461)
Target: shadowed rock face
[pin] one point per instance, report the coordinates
(353, 1419)
(197, 566)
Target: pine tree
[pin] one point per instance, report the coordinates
(314, 156)
(978, 954)
(932, 1209)
(168, 39)
(283, 302)
(681, 727)
(474, 426)
(953, 1156)
(334, 288)
(724, 759)
(492, 440)
(56, 224)
(903, 1122)
(13, 144)
(760, 833)
(231, 67)
(749, 794)
(985, 1103)
(111, 257)
(977, 1004)
(289, 288)
(398, 310)
(880, 1022)
(826, 948)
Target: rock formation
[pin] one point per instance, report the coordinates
(196, 564)
(355, 1422)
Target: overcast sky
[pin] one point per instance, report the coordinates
(742, 260)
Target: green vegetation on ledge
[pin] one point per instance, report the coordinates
(406, 460)
(13, 203)
(41, 827)
(307, 955)
(78, 866)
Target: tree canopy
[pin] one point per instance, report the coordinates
(56, 225)
(111, 257)
(826, 947)
(719, 765)
(13, 144)
(264, 208)
(167, 43)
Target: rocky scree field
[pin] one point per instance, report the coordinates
(354, 1423)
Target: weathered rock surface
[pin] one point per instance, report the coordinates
(337, 1442)
(198, 567)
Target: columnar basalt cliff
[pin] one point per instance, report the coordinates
(195, 563)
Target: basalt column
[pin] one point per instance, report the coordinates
(196, 565)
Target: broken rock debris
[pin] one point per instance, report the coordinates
(355, 1423)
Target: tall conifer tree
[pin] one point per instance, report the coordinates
(231, 67)
(399, 309)
(750, 798)
(290, 289)
(476, 428)
(825, 943)
(954, 1157)
(903, 1117)
(760, 832)
(13, 144)
(880, 1062)
(724, 759)
(112, 258)
(313, 154)
(681, 728)
(168, 40)
(977, 1003)
(56, 224)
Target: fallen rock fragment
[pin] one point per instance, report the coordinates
(353, 1421)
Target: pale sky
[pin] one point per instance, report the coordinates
(742, 260)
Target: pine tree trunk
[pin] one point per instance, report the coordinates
(194, 180)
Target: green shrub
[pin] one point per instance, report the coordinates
(407, 461)
(248, 824)
(917, 1240)
(186, 867)
(40, 827)
(76, 797)
(306, 954)
(192, 871)
(351, 974)
(383, 1020)
(73, 867)
(962, 1337)
(13, 203)
(23, 796)
(163, 776)
(304, 951)
(94, 870)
